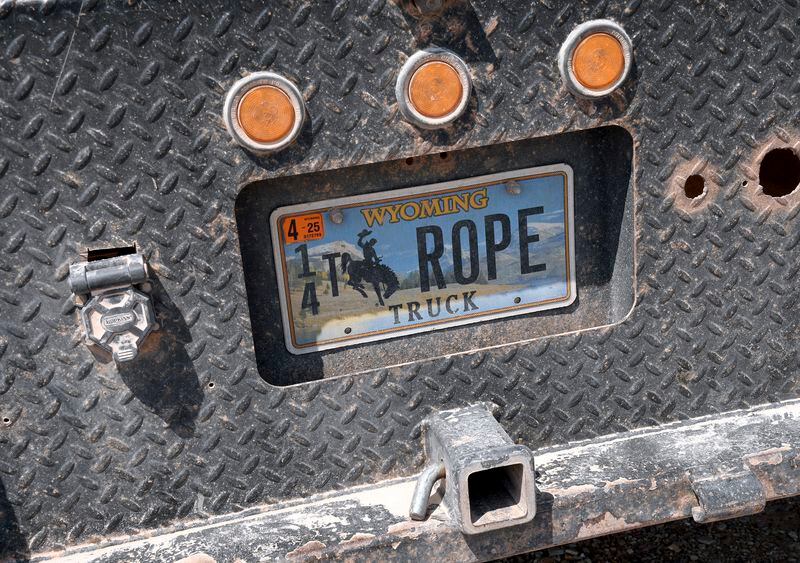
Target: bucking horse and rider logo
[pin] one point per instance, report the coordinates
(370, 270)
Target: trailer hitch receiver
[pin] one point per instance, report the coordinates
(489, 482)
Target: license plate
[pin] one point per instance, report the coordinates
(370, 267)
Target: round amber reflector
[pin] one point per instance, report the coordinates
(598, 61)
(266, 114)
(435, 89)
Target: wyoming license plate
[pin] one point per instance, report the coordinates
(370, 267)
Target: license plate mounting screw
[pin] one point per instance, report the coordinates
(337, 217)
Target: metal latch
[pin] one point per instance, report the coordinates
(489, 480)
(117, 316)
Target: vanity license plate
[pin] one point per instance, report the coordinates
(370, 267)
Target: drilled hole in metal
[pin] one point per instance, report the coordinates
(695, 186)
(779, 173)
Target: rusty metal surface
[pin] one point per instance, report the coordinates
(111, 133)
(588, 490)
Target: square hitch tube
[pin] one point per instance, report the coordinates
(489, 480)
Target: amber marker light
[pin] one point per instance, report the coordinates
(264, 112)
(595, 58)
(433, 88)
(598, 61)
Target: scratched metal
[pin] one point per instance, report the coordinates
(111, 133)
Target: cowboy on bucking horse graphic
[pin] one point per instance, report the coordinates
(369, 270)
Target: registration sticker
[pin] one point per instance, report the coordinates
(302, 228)
(388, 264)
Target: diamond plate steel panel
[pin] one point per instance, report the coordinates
(111, 133)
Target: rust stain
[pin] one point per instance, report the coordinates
(753, 191)
(152, 343)
(402, 528)
(357, 540)
(72, 179)
(456, 27)
(622, 481)
(677, 182)
(412, 530)
(684, 503)
(772, 456)
(221, 223)
(605, 523)
(769, 489)
(491, 26)
(573, 491)
(309, 549)
(686, 377)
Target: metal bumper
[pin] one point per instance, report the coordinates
(585, 490)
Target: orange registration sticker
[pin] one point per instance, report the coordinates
(301, 228)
